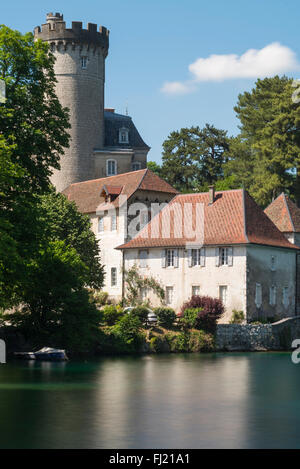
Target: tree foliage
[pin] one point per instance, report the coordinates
(194, 157)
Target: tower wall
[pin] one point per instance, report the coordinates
(81, 89)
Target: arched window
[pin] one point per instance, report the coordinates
(123, 135)
(111, 167)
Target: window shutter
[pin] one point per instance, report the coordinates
(163, 258)
(202, 257)
(230, 256)
(176, 257)
(190, 259)
(217, 257)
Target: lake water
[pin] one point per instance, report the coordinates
(240, 400)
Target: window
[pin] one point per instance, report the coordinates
(196, 257)
(144, 294)
(273, 263)
(123, 135)
(285, 296)
(223, 293)
(272, 295)
(136, 166)
(170, 257)
(258, 295)
(111, 167)
(169, 295)
(100, 224)
(195, 290)
(143, 255)
(113, 276)
(84, 61)
(113, 222)
(224, 256)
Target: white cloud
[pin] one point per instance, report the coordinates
(176, 87)
(271, 60)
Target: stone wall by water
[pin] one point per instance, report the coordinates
(248, 337)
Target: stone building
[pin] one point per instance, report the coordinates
(242, 258)
(102, 143)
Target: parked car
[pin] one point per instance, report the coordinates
(151, 318)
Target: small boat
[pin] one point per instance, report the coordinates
(25, 355)
(51, 354)
(45, 354)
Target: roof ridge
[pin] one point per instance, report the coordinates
(289, 213)
(106, 177)
(244, 214)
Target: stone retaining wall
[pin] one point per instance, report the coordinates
(250, 337)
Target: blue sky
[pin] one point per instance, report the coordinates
(154, 42)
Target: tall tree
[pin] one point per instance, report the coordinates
(270, 126)
(194, 157)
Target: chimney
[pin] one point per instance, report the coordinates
(211, 193)
(110, 110)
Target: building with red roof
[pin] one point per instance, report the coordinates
(220, 244)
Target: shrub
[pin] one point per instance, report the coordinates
(111, 314)
(196, 341)
(158, 344)
(211, 310)
(237, 317)
(100, 297)
(128, 331)
(190, 318)
(141, 312)
(165, 316)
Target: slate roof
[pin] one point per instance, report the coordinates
(284, 214)
(233, 218)
(113, 123)
(87, 194)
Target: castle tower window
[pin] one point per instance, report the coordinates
(136, 166)
(123, 135)
(111, 167)
(84, 61)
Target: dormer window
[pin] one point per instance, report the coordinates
(84, 61)
(123, 135)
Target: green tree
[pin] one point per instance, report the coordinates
(194, 157)
(32, 119)
(63, 221)
(154, 167)
(32, 135)
(270, 127)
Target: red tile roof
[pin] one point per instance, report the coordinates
(284, 214)
(233, 218)
(87, 194)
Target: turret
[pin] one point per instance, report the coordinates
(80, 71)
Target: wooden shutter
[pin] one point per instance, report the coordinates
(202, 257)
(217, 254)
(176, 257)
(190, 258)
(163, 258)
(230, 256)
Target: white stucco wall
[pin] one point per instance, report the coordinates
(209, 278)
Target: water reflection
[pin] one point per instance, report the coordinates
(167, 401)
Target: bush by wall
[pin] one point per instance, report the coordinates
(211, 310)
(165, 316)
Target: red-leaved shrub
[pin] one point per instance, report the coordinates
(211, 310)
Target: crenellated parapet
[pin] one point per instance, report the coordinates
(56, 33)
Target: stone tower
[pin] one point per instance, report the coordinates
(80, 72)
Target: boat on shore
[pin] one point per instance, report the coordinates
(45, 354)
